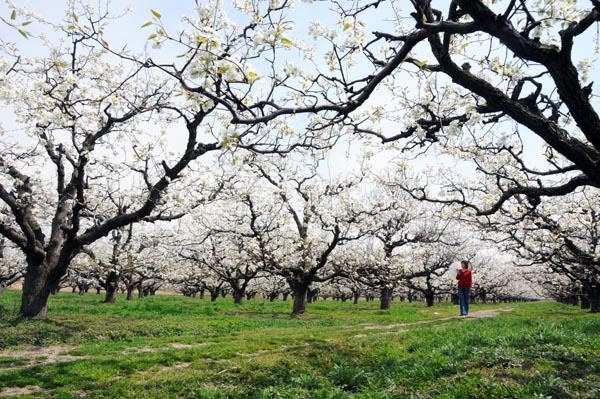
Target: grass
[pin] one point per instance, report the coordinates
(176, 347)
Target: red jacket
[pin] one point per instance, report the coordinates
(464, 278)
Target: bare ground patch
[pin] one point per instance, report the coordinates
(174, 345)
(40, 355)
(176, 366)
(18, 391)
(280, 349)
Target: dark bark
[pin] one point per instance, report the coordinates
(386, 298)
(36, 289)
(429, 299)
(594, 298)
(585, 302)
(455, 300)
(112, 286)
(311, 295)
(356, 296)
(238, 296)
(300, 292)
(130, 292)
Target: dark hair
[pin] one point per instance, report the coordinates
(464, 263)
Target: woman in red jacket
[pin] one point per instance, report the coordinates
(465, 282)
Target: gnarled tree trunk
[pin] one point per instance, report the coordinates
(112, 286)
(37, 286)
(300, 292)
(238, 296)
(386, 298)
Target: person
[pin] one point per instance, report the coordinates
(465, 282)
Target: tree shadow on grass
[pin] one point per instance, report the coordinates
(21, 331)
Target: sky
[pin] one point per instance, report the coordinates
(128, 31)
(344, 158)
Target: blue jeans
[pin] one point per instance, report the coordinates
(463, 297)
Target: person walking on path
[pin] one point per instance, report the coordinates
(465, 282)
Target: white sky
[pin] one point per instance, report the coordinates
(127, 31)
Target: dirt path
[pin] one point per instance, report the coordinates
(37, 355)
(480, 314)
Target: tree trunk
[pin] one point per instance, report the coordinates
(214, 296)
(356, 296)
(455, 299)
(272, 297)
(300, 298)
(73, 289)
(238, 296)
(429, 299)
(386, 298)
(130, 293)
(201, 293)
(37, 286)
(112, 285)
(285, 296)
(585, 302)
(309, 297)
(594, 298)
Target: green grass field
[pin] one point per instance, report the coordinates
(176, 347)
